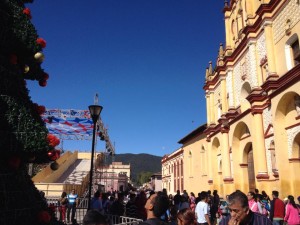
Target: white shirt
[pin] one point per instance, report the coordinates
(201, 210)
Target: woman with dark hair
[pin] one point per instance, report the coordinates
(186, 217)
(96, 202)
(265, 196)
(63, 201)
(252, 202)
(192, 201)
(292, 212)
(265, 200)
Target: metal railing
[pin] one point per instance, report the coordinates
(81, 210)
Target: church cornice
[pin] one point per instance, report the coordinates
(285, 81)
(172, 156)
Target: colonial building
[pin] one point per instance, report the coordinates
(253, 105)
(114, 176)
(172, 171)
(156, 182)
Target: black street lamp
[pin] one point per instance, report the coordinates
(95, 111)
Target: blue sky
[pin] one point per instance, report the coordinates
(145, 58)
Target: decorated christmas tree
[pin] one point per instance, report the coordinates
(23, 136)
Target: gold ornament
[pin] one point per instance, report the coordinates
(26, 69)
(39, 57)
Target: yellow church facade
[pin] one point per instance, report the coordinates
(252, 136)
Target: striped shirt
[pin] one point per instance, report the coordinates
(72, 199)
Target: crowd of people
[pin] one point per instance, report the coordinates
(187, 209)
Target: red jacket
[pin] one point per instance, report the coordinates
(277, 209)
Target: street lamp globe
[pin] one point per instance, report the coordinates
(95, 111)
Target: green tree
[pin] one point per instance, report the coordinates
(143, 177)
(23, 135)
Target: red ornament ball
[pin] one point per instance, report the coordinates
(43, 83)
(41, 109)
(41, 42)
(45, 76)
(53, 140)
(27, 12)
(44, 217)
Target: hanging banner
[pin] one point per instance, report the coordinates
(69, 124)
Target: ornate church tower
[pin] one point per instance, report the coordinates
(252, 135)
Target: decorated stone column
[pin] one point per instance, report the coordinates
(211, 106)
(210, 174)
(258, 103)
(224, 95)
(270, 49)
(226, 167)
(207, 108)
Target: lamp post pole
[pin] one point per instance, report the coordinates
(95, 111)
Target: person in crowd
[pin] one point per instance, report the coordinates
(72, 204)
(265, 196)
(261, 205)
(165, 191)
(105, 202)
(63, 202)
(292, 212)
(171, 199)
(173, 215)
(252, 202)
(184, 203)
(131, 208)
(277, 209)
(197, 198)
(192, 201)
(117, 207)
(95, 217)
(110, 202)
(156, 205)
(298, 200)
(185, 194)
(265, 200)
(177, 199)
(186, 216)
(140, 204)
(210, 201)
(240, 212)
(166, 216)
(224, 208)
(96, 202)
(219, 217)
(214, 206)
(201, 210)
(210, 198)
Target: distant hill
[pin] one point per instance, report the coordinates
(140, 162)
